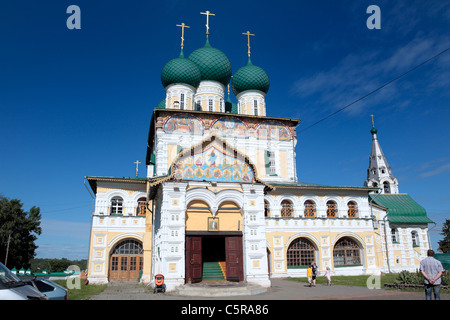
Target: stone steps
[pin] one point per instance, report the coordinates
(219, 289)
(212, 270)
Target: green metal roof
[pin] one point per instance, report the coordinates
(161, 104)
(180, 70)
(250, 77)
(212, 63)
(230, 106)
(402, 208)
(300, 184)
(444, 258)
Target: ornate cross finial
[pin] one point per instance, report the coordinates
(137, 167)
(248, 34)
(207, 13)
(373, 124)
(182, 33)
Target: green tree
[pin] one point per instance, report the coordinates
(20, 229)
(444, 244)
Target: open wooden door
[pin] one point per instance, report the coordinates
(234, 259)
(193, 259)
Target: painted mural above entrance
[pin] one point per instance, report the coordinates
(273, 130)
(213, 164)
(230, 127)
(183, 123)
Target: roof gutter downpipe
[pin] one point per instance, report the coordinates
(385, 241)
(384, 224)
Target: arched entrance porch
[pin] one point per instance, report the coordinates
(126, 260)
(213, 242)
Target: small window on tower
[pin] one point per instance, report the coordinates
(386, 187)
(182, 102)
(210, 105)
(255, 107)
(270, 163)
(116, 205)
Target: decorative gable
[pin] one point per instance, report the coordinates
(213, 163)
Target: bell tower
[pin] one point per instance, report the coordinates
(379, 173)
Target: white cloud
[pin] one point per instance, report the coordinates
(362, 72)
(439, 170)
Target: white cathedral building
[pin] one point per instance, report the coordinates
(222, 199)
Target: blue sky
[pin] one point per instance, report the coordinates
(78, 103)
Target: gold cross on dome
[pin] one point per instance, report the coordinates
(207, 13)
(182, 33)
(137, 167)
(248, 34)
(373, 124)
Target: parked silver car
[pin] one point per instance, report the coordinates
(11, 288)
(51, 289)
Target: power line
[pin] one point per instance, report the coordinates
(378, 89)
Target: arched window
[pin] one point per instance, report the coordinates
(394, 235)
(310, 209)
(331, 209)
(266, 209)
(286, 208)
(182, 101)
(386, 187)
(255, 107)
(352, 211)
(142, 207)
(210, 105)
(346, 252)
(116, 205)
(128, 247)
(301, 253)
(415, 239)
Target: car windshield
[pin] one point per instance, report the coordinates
(7, 278)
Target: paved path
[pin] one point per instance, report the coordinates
(280, 290)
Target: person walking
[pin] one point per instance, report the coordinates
(431, 270)
(309, 274)
(315, 271)
(328, 276)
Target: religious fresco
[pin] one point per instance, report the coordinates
(273, 130)
(229, 127)
(214, 165)
(183, 123)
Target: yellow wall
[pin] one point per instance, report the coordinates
(197, 219)
(323, 241)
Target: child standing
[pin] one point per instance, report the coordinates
(309, 274)
(328, 275)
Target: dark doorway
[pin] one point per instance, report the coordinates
(213, 257)
(213, 249)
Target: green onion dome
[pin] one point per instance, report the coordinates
(180, 70)
(212, 63)
(373, 131)
(250, 77)
(161, 104)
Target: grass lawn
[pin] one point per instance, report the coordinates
(360, 281)
(84, 293)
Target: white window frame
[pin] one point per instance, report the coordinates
(210, 105)
(116, 205)
(182, 101)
